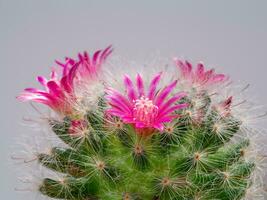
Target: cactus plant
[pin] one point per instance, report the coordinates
(180, 139)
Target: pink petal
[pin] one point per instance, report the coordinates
(209, 74)
(188, 68)
(33, 93)
(54, 89)
(218, 78)
(172, 100)
(172, 109)
(86, 56)
(24, 97)
(112, 100)
(65, 67)
(139, 125)
(87, 62)
(159, 126)
(119, 96)
(167, 118)
(95, 57)
(185, 68)
(115, 112)
(70, 61)
(127, 119)
(30, 97)
(106, 53)
(199, 71)
(153, 86)
(42, 80)
(179, 64)
(43, 101)
(129, 88)
(53, 74)
(164, 93)
(65, 85)
(60, 64)
(140, 85)
(33, 90)
(72, 74)
(80, 56)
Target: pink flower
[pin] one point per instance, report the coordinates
(88, 68)
(198, 77)
(145, 110)
(59, 93)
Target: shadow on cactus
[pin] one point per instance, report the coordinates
(172, 135)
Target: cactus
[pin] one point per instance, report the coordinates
(145, 142)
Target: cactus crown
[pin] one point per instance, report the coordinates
(147, 142)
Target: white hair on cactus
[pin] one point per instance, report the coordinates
(88, 96)
(31, 173)
(118, 66)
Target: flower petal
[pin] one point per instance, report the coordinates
(140, 85)
(219, 78)
(129, 88)
(119, 96)
(106, 53)
(159, 126)
(153, 86)
(172, 100)
(199, 71)
(115, 102)
(173, 108)
(164, 93)
(42, 80)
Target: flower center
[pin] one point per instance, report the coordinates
(145, 111)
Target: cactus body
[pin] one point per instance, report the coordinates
(169, 143)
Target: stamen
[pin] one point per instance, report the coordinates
(145, 111)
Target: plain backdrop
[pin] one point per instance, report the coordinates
(230, 34)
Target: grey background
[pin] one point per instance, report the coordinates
(230, 34)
